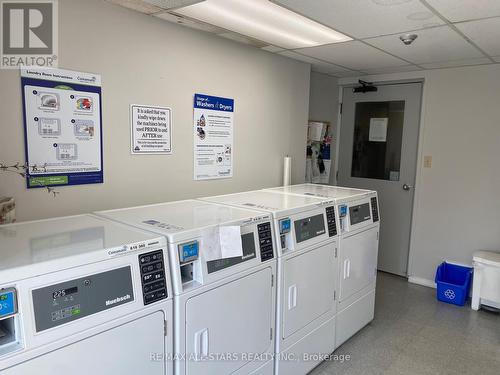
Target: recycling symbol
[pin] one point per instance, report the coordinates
(450, 294)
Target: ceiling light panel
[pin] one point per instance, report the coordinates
(366, 18)
(462, 10)
(265, 21)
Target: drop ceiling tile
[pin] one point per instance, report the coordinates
(272, 49)
(485, 33)
(317, 65)
(366, 18)
(462, 10)
(137, 5)
(354, 55)
(432, 45)
(456, 63)
(395, 69)
(350, 73)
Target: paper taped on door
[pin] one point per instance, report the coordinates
(222, 242)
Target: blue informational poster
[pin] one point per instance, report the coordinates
(63, 127)
(213, 137)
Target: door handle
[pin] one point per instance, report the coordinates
(201, 344)
(407, 187)
(292, 297)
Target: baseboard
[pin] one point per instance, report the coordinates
(422, 281)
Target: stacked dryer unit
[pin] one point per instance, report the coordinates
(358, 251)
(74, 299)
(306, 233)
(224, 309)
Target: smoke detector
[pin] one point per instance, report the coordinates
(408, 39)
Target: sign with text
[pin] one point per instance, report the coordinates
(151, 130)
(213, 137)
(63, 127)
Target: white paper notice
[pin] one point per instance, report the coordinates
(151, 130)
(315, 131)
(230, 242)
(222, 242)
(378, 129)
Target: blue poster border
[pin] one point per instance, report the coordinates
(81, 178)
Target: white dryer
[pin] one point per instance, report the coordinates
(306, 233)
(74, 299)
(358, 251)
(224, 308)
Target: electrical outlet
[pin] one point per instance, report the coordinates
(427, 161)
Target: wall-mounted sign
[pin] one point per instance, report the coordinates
(378, 129)
(63, 127)
(213, 137)
(151, 129)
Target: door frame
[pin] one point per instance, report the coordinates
(418, 78)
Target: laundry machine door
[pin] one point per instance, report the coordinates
(308, 287)
(126, 350)
(229, 321)
(358, 262)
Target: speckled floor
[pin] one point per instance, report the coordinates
(413, 333)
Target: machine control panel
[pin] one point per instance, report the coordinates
(359, 213)
(374, 209)
(154, 286)
(189, 252)
(248, 245)
(309, 227)
(8, 302)
(331, 221)
(67, 301)
(265, 241)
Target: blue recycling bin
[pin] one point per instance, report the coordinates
(453, 283)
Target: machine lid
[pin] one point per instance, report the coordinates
(268, 201)
(34, 242)
(487, 257)
(177, 219)
(324, 191)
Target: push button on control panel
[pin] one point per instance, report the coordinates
(265, 241)
(153, 277)
(331, 221)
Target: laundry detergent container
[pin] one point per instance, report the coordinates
(453, 283)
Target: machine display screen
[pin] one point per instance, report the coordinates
(248, 244)
(359, 213)
(309, 227)
(64, 292)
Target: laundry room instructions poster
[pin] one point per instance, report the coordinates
(63, 127)
(213, 137)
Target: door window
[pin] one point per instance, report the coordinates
(378, 136)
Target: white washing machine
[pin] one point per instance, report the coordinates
(224, 308)
(74, 299)
(358, 251)
(306, 233)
